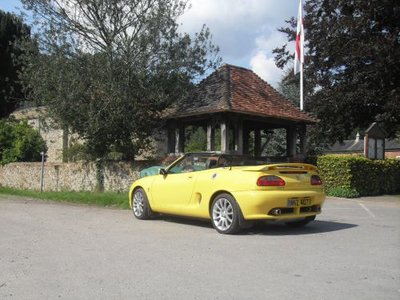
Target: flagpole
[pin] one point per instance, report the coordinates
(301, 87)
(299, 51)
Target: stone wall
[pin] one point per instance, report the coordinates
(56, 138)
(117, 176)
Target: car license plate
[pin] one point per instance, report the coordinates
(306, 201)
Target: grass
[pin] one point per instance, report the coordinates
(107, 199)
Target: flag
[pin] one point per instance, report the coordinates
(299, 54)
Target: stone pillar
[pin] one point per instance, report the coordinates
(210, 138)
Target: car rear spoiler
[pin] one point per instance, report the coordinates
(300, 166)
(283, 167)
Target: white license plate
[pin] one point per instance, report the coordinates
(306, 201)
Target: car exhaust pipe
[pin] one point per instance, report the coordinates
(276, 212)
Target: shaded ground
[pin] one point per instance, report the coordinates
(65, 251)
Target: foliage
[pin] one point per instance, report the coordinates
(107, 199)
(352, 74)
(342, 192)
(197, 140)
(357, 174)
(19, 142)
(289, 86)
(107, 69)
(76, 152)
(12, 29)
(273, 142)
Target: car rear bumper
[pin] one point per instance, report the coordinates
(264, 205)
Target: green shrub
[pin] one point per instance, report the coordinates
(19, 142)
(76, 152)
(342, 192)
(358, 175)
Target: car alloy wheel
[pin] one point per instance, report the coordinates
(140, 204)
(225, 214)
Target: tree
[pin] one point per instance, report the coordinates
(196, 139)
(107, 69)
(289, 87)
(351, 70)
(19, 142)
(12, 29)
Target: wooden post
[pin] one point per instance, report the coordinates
(180, 139)
(171, 140)
(303, 144)
(246, 136)
(257, 143)
(224, 138)
(366, 141)
(177, 140)
(239, 146)
(290, 141)
(210, 138)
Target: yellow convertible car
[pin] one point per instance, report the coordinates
(230, 190)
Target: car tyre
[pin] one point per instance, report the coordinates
(301, 223)
(225, 214)
(140, 205)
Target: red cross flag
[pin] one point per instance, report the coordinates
(299, 55)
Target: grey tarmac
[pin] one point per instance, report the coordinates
(52, 250)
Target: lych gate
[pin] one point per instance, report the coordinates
(238, 104)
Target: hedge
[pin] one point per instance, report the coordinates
(352, 176)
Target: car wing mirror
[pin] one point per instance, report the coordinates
(162, 171)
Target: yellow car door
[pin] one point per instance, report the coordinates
(172, 191)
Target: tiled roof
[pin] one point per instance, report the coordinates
(236, 89)
(357, 145)
(346, 146)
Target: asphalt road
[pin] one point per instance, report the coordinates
(61, 251)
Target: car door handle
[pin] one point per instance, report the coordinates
(190, 177)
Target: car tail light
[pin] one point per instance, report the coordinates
(316, 180)
(270, 180)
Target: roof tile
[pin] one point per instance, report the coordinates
(237, 89)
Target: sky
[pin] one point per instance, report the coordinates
(245, 30)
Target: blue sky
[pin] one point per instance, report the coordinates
(245, 30)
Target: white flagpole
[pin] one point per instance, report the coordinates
(299, 51)
(301, 87)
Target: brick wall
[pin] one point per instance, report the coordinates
(118, 176)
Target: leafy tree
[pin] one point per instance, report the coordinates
(108, 68)
(273, 142)
(12, 29)
(289, 87)
(352, 74)
(19, 142)
(196, 139)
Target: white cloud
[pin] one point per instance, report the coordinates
(238, 26)
(265, 67)
(262, 60)
(237, 12)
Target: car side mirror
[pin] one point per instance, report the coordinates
(162, 171)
